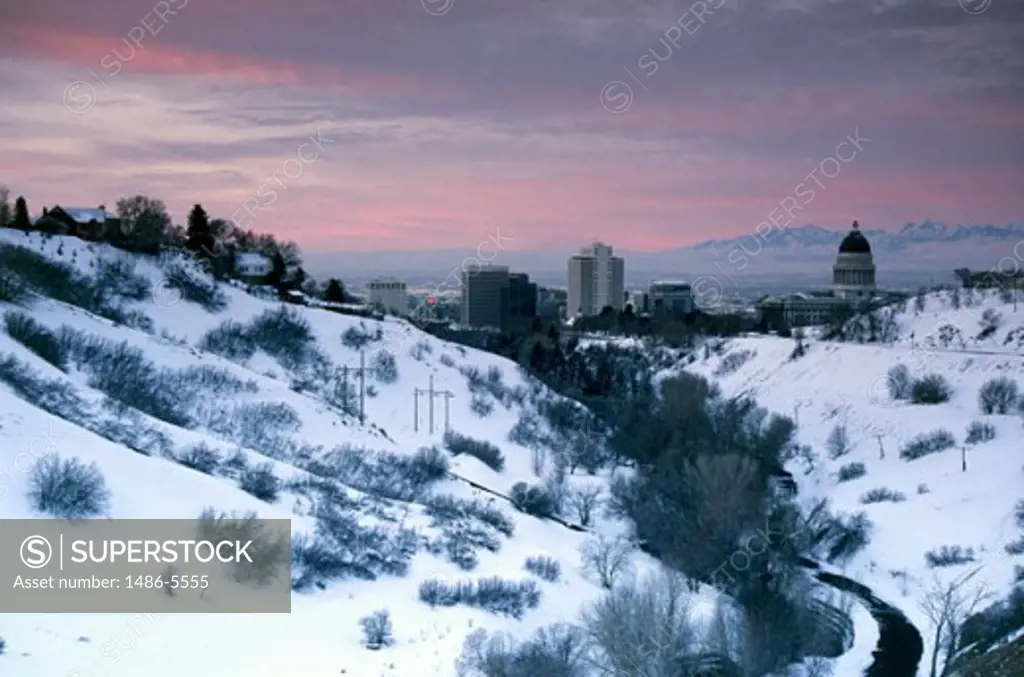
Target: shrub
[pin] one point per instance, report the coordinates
(200, 457)
(36, 337)
(447, 360)
(606, 559)
(12, 290)
(882, 495)
(978, 432)
(998, 396)
(117, 277)
(852, 471)
(495, 595)
(1018, 514)
(268, 550)
(446, 509)
(67, 489)
(485, 452)
(377, 630)
(60, 281)
(385, 367)
(838, 442)
(949, 555)
(261, 482)
(1014, 548)
(585, 502)
(231, 340)
(556, 651)
(533, 499)
(481, 406)
(429, 464)
(205, 380)
(545, 567)
(930, 389)
(928, 443)
(195, 287)
(922, 489)
(284, 334)
(732, 362)
(899, 381)
(263, 426)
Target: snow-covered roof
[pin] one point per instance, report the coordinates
(87, 214)
(251, 259)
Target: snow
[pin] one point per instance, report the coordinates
(844, 384)
(833, 383)
(322, 635)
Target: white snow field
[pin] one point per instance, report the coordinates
(832, 383)
(322, 635)
(845, 383)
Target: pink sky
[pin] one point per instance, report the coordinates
(433, 125)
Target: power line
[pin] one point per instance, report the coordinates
(431, 394)
(361, 371)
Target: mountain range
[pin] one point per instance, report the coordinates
(915, 251)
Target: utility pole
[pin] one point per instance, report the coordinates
(431, 394)
(881, 449)
(963, 458)
(362, 386)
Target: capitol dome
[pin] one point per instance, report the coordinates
(853, 275)
(855, 242)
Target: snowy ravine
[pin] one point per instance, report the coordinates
(944, 505)
(322, 635)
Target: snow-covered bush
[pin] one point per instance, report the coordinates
(117, 276)
(231, 340)
(495, 595)
(978, 432)
(428, 464)
(882, 495)
(67, 489)
(261, 482)
(559, 650)
(480, 405)
(36, 337)
(194, 286)
(446, 509)
(930, 389)
(927, 443)
(359, 337)
(533, 499)
(733, 361)
(949, 555)
(999, 396)
(377, 630)
(852, 471)
(487, 453)
(200, 457)
(543, 566)
(838, 442)
(384, 367)
(284, 334)
(899, 382)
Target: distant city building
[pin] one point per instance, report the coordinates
(389, 294)
(853, 283)
(640, 300)
(853, 275)
(596, 280)
(551, 302)
(493, 297)
(675, 298)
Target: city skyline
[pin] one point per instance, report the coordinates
(366, 126)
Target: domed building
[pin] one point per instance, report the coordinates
(853, 275)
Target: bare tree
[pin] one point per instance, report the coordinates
(838, 442)
(5, 206)
(606, 559)
(584, 502)
(947, 606)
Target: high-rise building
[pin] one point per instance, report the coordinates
(485, 296)
(390, 294)
(596, 280)
(494, 297)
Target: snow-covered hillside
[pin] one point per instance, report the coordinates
(322, 635)
(941, 503)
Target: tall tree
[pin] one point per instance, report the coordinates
(21, 220)
(144, 222)
(335, 292)
(5, 206)
(277, 271)
(199, 236)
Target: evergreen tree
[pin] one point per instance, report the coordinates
(199, 237)
(277, 271)
(335, 291)
(21, 219)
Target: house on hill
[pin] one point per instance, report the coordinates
(253, 268)
(88, 223)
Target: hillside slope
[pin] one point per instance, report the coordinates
(270, 413)
(942, 504)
